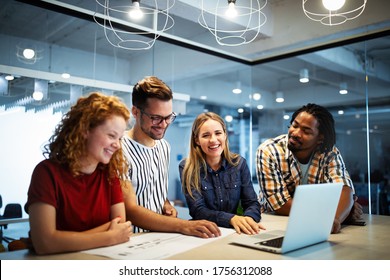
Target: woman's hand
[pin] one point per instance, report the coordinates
(246, 225)
(121, 231)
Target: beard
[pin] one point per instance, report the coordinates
(151, 130)
(154, 136)
(293, 147)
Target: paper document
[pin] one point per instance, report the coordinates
(155, 245)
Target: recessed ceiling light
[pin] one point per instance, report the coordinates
(228, 118)
(38, 95)
(256, 96)
(28, 53)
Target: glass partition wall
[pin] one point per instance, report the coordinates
(201, 82)
(350, 81)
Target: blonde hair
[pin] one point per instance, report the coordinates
(196, 159)
(68, 144)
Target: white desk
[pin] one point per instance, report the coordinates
(352, 243)
(368, 242)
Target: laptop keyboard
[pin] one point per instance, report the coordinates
(276, 242)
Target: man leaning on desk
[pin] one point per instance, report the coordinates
(306, 155)
(147, 205)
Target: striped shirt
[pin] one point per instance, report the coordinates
(278, 171)
(148, 172)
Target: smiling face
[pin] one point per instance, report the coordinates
(212, 140)
(102, 142)
(156, 107)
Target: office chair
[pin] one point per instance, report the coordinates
(11, 211)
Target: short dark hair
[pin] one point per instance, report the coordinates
(325, 121)
(150, 87)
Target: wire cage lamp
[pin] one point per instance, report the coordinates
(136, 26)
(29, 53)
(333, 12)
(233, 22)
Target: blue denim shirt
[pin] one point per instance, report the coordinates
(221, 192)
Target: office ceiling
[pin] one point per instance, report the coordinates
(271, 63)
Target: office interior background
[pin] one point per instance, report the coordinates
(66, 38)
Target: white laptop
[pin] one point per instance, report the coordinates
(310, 221)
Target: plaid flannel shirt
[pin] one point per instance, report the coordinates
(278, 172)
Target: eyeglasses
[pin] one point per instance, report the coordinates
(156, 119)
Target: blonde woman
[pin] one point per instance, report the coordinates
(216, 181)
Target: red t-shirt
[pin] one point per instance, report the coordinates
(82, 202)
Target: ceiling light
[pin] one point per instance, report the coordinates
(279, 97)
(127, 35)
(341, 112)
(333, 5)
(246, 26)
(228, 118)
(333, 12)
(135, 11)
(286, 117)
(65, 75)
(40, 89)
(343, 88)
(304, 76)
(240, 110)
(203, 97)
(38, 95)
(256, 96)
(9, 77)
(231, 11)
(237, 89)
(260, 107)
(28, 53)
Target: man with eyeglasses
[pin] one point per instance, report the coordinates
(148, 154)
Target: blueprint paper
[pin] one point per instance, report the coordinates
(155, 246)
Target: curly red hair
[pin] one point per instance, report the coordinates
(68, 144)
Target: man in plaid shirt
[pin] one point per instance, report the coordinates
(306, 155)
